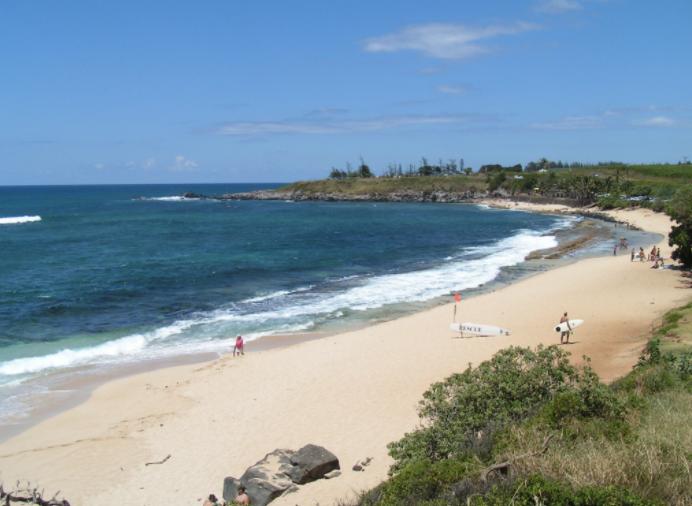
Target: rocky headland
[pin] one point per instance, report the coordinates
(299, 195)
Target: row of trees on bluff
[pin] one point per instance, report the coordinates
(451, 167)
(422, 168)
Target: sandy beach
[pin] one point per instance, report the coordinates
(352, 393)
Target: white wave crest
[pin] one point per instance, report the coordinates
(413, 286)
(171, 198)
(296, 309)
(129, 345)
(277, 294)
(13, 220)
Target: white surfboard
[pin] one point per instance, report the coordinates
(562, 327)
(478, 329)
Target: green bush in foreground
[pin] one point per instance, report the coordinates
(464, 413)
(420, 482)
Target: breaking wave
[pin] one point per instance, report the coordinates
(13, 220)
(293, 310)
(170, 198)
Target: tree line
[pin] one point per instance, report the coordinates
(421, 168)
(424, 167)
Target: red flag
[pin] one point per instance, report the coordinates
(457, 297)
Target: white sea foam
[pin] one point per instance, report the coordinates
(125, 346)
(406, 287)
(171, 198)
(13, 220)
(294, 310)
(277, 294)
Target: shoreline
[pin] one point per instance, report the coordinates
(76, 389)
(354, 408)
(63, 390)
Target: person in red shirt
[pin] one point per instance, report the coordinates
(239, 346)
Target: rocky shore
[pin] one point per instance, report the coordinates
(399, 196)
(408, 195)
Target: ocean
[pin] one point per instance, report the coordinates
(100, 276)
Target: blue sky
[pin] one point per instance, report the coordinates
(226, 91)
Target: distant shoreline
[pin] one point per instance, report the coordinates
(406, 195)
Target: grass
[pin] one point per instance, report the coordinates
(652, 458)
(359, 186)
(657, 182)
(675, 331)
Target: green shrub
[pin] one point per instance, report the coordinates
(680, 236)
(647, 380)
(424, 481)
(590, 399)
(612, 202)
(463, 413)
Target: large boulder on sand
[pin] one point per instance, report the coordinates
(279, 471)
(311, 463)
(264, 481)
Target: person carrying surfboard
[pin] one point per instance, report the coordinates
(565, 333)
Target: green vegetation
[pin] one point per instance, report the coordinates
(385, 186)
(610, 184)
(680, 210)
(528, 428)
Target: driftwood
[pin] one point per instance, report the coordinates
(29, 495)
(159, 461)
(503, 467)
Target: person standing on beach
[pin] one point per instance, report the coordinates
(211, 501)
(565, 333)
(242, 497)
(632, 256)
(615, 249)
(239, 346)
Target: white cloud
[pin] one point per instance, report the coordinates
(453, 89)
(440, 40)
(558, 6)
(615, 117)
(240, 128)
(571, 123)
(656, 121)
(182, 163)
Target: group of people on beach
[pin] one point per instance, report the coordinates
(654, 256)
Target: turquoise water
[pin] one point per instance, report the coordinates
(102, 275)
